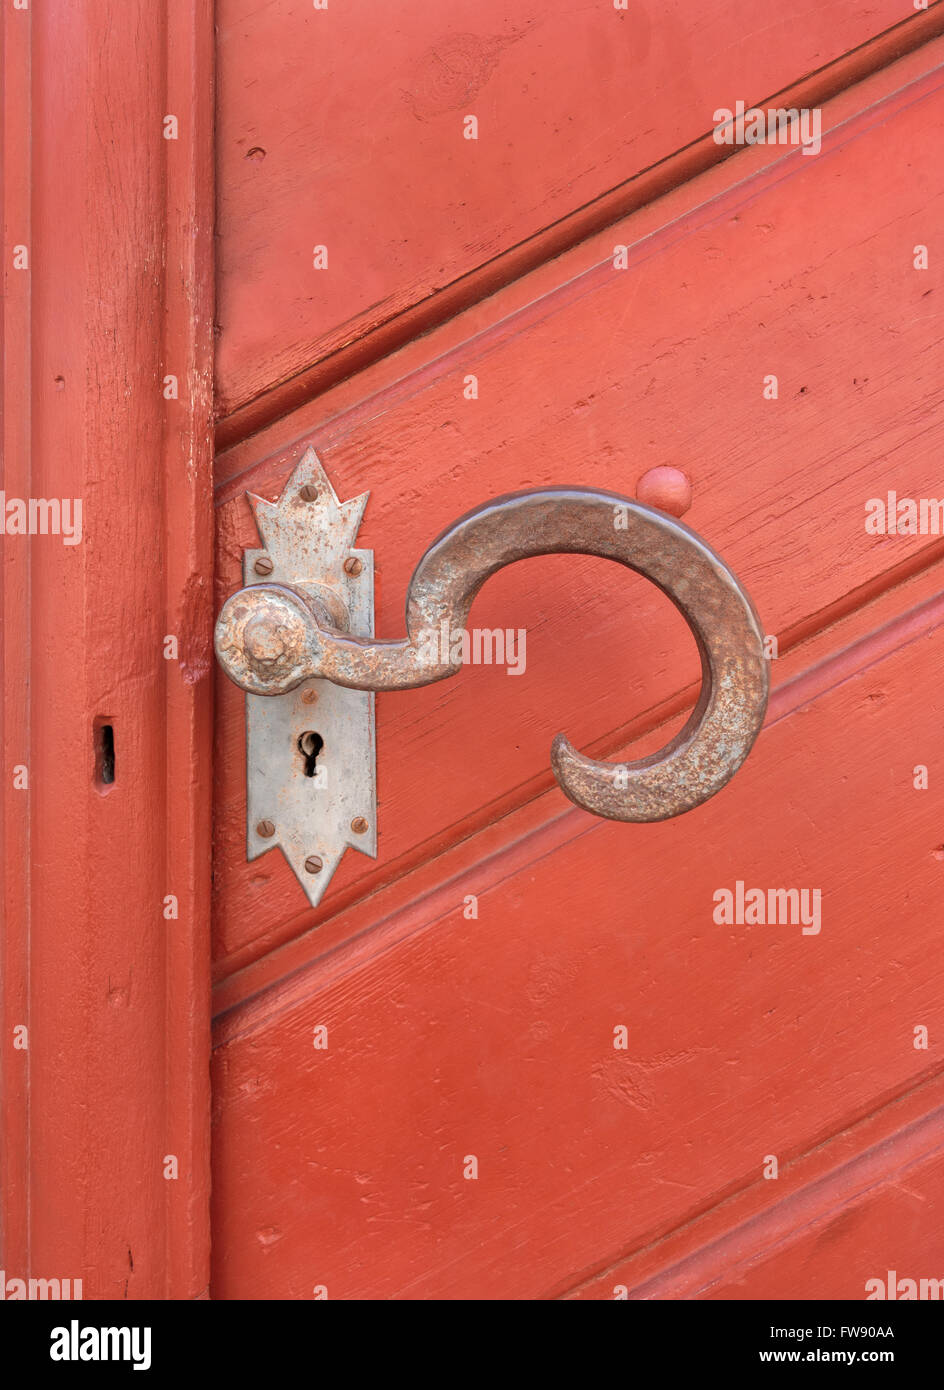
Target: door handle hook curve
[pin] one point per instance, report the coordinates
(270, 637)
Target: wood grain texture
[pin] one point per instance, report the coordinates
(115, 992)
(801, 269)
(356, 143)
(494, 1037)
(894, 1224)
(871, 1192)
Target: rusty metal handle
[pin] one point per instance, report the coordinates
(270, 637)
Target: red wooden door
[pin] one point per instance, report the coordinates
(518, 1056)
(525, 1053)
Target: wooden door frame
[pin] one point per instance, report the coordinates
(116, 295)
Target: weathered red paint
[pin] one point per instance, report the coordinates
(344, 1168)
(112, 990)
(585, 113)
(449, 1035)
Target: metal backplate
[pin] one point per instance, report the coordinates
(312, 801)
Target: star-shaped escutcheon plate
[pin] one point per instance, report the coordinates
(310, 754)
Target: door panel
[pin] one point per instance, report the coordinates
(494, 1037)
(491, 1036)
(368, 157)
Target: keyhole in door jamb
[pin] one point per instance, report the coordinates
(310, 745)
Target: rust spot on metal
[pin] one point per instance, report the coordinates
(263, 637)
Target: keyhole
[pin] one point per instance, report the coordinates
(310, 745)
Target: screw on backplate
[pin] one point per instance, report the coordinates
(308, 493)
(266, 829)
(358, 825)
(309, 697)
(313, 865)
(352, 565)
(263, 565)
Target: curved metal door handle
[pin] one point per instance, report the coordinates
(271, 637)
